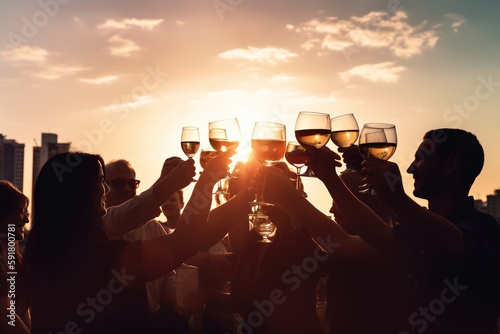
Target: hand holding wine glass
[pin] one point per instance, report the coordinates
(206, 155)
(312, 131)
(268, 148)
(345, 132)
(377, 140)
(296, 155)
(190, 141)
(224, 136)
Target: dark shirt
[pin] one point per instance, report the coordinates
(275, 285)
(90, 295)
(450, 295)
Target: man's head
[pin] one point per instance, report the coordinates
(446, 156)
(172, 208)
(120, 176)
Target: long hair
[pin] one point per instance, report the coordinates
(11, 200)
(65, 221)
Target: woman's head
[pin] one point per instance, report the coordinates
(68, 203)
(13, 210)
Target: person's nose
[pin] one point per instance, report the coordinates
(411, 168)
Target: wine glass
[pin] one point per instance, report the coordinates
(224, 136)
(206, 155)
(190, 142)
(296, 155)
(377, 140)
(268, 148)
(345, 132)
(262, 225)
(312, 131)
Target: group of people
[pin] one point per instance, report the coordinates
(98, 261)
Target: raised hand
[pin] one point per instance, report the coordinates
(216, 168)
(281, 218)
(323, 162)
(277, 186)
(182, 174)
(351, 157)
(385, 178)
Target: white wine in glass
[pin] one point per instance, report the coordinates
(312, 131)
(345, 130)
(377, 140)
(224, 136)
(190, 141)
(268, 148)
(206, 155)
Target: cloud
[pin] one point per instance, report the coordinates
(387, 72)
(373, 30)
(37, 61)
(100, 80)
(136, 103)
(456, 21)
(24, 54)
(270, 55)
(53, 72)
(128, 23)
(122, 47)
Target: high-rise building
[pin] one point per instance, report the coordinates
(42, 153)
(491, 206)
(12, 161)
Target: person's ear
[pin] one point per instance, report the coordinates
(452, 163)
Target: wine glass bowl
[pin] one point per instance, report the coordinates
(268, 143)
(190, 141)
(377, 140)
(206, 155)
(344, 130)
(224, 136)
(297, 156)
(312, 129)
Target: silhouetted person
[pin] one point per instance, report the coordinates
(98, 279)
(14, 295)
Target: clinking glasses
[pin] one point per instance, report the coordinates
(120, 183)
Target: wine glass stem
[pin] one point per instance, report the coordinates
(260, 196)
(297, 181)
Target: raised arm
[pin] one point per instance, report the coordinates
(325, 232)
(368, 225)
(193, 233)
(437, 231)
(137, 211)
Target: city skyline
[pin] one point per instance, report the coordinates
(121, 78)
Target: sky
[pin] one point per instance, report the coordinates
(121, 78)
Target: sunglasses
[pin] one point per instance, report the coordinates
(120, 183)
